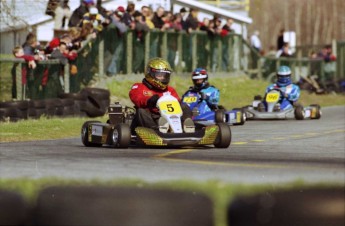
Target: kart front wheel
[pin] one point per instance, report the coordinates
(299, 113)
(85, 134)
(224, 136)
(121, 136)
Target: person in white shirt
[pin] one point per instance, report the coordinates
(255, 41)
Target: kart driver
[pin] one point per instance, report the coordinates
(291, 92)
(208, 93)
(145, 95)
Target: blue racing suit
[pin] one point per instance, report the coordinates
(209, 98)
(291, 94)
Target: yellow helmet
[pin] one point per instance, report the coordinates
(157, 73)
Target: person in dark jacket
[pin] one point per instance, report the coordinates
(79, 12)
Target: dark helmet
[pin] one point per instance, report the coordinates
(284, 76)
(158, 72)
(199, 73)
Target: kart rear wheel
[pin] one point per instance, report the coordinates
(121, 136)
(224, 136)
(299, 113)
(220, 116)
(85, 134)
(318, 111)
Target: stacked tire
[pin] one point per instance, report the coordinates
(89, 102)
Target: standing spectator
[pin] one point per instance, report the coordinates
(255, 41)
(280, 39)
(139, 26)
(192, 22)
(79, 12)
(60, 11)
(121, 28)
(226, 30)
(183, 13)
(18, 52)
(32, 48)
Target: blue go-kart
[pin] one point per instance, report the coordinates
(208, 115)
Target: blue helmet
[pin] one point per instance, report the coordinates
(284, 76)
(199, 73)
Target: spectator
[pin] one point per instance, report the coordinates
(192, 22)
(121, 27)
(228, 26)
(226, 30)
(94, 18)
(139, 26)
(255, 41)
(204, 25)
(31, 46)
(18, 52)
(285, 51)
(177, 22)
(103, 11)
(79, 12)
(183, 13)
(326, 54)
(62, 13)
(128, 17)
(157, 19)
(280, 39)
(147, 15)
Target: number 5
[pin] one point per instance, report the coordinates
(170, 108)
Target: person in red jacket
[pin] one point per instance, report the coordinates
(145, 95)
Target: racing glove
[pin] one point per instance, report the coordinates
(203, 96)
(152, 101)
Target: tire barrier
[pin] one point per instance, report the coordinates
(306, 207)
(89, 102)
(13, 209)
(123, 206)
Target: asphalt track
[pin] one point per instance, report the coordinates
(261, 152)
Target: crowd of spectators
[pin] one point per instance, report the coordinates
(90, 18)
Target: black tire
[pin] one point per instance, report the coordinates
(13, 208)
(85, 134)
(220, 116)
(121, 136)
(224, 136)
(21, 104)
(318, 111)
(299, 113)
(125, 206)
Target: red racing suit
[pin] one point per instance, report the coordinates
(141, 92)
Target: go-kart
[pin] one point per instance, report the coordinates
(117, 132)
(207, 115)
(271, 107)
